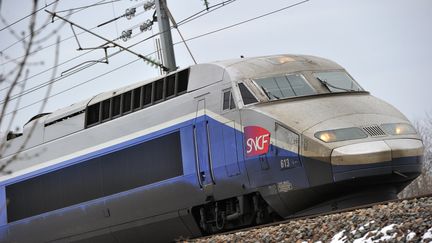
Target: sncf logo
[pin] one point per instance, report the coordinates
(257, 140)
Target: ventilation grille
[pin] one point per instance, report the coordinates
(374, 131)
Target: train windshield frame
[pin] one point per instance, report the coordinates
(338, 81)
(285, 86)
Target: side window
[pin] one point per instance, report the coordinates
(147, 100)
(106, 109)
(116, 106)
(158, 90)
(228, 100)
(101, 175)
(141, 97)
(170, 86)
(136, 98)
(247, 96)
(182, 81)
(93, 114)
(127, 102)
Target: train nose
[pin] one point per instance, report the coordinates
(396, 156)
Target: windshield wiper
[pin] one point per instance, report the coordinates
(333, 86)
(266, 92)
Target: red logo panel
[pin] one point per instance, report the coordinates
(257, 140)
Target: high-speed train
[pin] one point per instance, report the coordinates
(202, 150)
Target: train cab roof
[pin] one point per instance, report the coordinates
(201, 75)
(245, 68)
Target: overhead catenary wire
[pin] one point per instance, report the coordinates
(42, 85)
(40, 49)
(192, 38)
(130, 12)
(77, 85)
(205, 11)
(43, 26)
(114, 14)
(186, 20)
(87, 6)
(35, 88)
(109, 41)
(28, 15)
(60, 64)
(182, 22)
(245, 21)
(180, 34)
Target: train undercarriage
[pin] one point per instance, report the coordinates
(252, 209)
(233, 213)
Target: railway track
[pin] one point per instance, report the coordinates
(314, 217)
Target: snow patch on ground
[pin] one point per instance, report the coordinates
(371, 237)
(380, 235)
(427, 235)
(385, 231)
(410, 236)
(339, 237)
(369, 223)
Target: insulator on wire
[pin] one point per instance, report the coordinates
(130, 13)
(149, 61)
(146, 25)
(149, 5)
(126, 34)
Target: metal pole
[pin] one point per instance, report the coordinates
(166, 39)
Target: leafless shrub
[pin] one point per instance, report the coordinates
(423, 184)
(15, 79)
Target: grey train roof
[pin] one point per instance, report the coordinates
(202, 75)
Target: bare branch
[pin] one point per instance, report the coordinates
(17, 103)
(42, 107)
(423, 184)
(22, 64)
(11, 30)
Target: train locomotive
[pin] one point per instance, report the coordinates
(205, 149)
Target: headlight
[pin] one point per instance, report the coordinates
(341, 134)
(398, 129)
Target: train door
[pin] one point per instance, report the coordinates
(287, 147)
(203, 157)
(230, 149)
(231, 138)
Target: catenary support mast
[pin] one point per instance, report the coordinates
(166, 38)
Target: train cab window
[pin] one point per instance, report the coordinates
(116, 100)
(106, 109)
(147, 94)
(158, 90)
(127, 102)
(136, 98)
(337, 81)
(93, 114)
(247, 96)
(285, 86)
(228, 100)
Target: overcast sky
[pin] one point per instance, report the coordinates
(385, 45)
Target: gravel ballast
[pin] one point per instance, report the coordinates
(402, 221)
